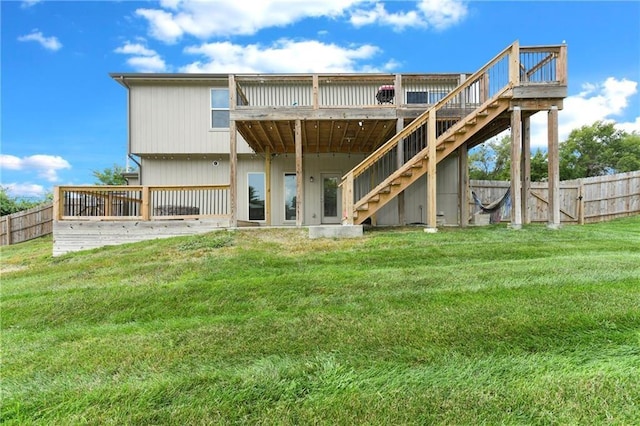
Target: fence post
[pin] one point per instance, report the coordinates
(146, 205)
(9, 236)
(580, 203)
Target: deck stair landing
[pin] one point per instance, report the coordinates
(474, 110)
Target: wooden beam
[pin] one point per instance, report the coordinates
(146, 204)
(526, 168)
(58, 205)
(516, 152)
(514, 64)
(267, 200)
(233, 175)
(554, 168)
(299, 175)
(315, 82)
(432, 213)
(400, 163)
(561, 65)
(463, 184)
(277, 131)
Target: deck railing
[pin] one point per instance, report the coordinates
(341, 90)
(138, 202)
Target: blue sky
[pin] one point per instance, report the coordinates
(63, 117)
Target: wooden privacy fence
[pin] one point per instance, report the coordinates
(581, 201)
(26, 225)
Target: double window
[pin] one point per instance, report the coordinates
(220, 108)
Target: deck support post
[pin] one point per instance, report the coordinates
(299, 175)
(267, 174)
(463, 185)
(432, 217)
(554, 168)
(233, 157)
(400, 163)
(516, 152)
(526, 168)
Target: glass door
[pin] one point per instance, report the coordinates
(331, 198)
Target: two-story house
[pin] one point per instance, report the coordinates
(314, 149)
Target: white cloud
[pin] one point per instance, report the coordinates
(25, 190)
(439, 14)
(604, 101)
(147, 63)
(25, 4)
(379, 15)
(49, 43)
(28, 3)
(204, 19)
(46, 166)
(282, 56)
(143, 59)
(134, 49)
(442, 14)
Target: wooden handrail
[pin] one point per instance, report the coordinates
(422, 118)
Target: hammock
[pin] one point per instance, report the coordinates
(497, 209)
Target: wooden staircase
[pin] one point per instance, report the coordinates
(474, 110)
(416, 167)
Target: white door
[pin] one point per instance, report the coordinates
(331, 198)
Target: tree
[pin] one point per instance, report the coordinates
(491, 160)
(598, 149)
(9, 204)
(110, 176)
(539, 166)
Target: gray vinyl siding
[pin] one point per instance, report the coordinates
(212, 170)
(176, 119)
(415, 198)
(199, 171)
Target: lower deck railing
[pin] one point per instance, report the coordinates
(137, 202)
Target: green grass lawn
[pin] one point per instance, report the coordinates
(477, 326)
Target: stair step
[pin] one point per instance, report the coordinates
(493, 105)
(441, 147)
(363, 208)
(374, 199)
(417, 165)
(461, 130)
(386, 190)
(482, 113)
(396, 182)
(471, 122)
(450, 139)
(407, 174)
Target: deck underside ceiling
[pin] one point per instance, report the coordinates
(318, 136)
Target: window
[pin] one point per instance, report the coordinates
(220, 108)
(289, 196)
(416, 97)
(256, 196)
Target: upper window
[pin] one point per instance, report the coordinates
(220, 108)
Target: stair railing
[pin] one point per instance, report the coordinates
(501, 72)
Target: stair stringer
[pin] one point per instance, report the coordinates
(416, 167)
